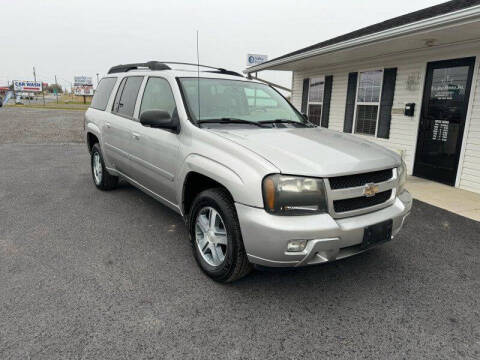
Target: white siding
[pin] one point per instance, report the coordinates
(470, 175)
(403, 129)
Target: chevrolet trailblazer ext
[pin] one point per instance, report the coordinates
(255, 181)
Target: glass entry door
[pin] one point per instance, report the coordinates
(442, 120)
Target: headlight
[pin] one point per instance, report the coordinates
(293, 195)
(402, 177)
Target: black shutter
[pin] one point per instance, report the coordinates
(306, 84)
(388, 91)
(327, 96)
(350, 105)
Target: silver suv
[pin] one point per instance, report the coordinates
(255, 181)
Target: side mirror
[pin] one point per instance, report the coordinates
(159, 119)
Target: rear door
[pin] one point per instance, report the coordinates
(118, 127)
(154, 151)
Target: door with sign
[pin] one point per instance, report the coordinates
(442, 119)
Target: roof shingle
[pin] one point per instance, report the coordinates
(415, 16)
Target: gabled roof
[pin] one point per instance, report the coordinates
(431, 12)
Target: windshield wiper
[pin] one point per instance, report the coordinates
(282, 121)
(229, 121)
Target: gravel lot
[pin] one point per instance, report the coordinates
(86, 274)
(39, 126)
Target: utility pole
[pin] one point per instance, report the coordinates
(34, 75)
(97, 79)
(56, 88)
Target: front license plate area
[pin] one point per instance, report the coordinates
(377, 234)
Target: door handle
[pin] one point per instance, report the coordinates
(108, 125)
(136, 136)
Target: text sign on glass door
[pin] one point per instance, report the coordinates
(440, 130)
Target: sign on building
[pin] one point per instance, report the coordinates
(255, 59)
(82, 80)
(27, 86)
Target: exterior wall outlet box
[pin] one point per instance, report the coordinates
(409, 109)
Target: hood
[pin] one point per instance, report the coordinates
(313, 151)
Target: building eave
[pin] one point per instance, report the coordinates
(457, 17)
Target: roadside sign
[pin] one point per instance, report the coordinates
(255, 59)
(29, 86)
(82, 80)
(86, 90)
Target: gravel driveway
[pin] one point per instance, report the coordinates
(86, 274)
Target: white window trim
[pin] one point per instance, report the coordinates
(367, 103)
(322, 78)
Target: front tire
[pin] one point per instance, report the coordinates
(216, 238)
(101, 178)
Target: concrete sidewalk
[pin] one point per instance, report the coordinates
(458, 201)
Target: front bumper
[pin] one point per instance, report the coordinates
(265, 236)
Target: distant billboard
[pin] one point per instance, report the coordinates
(82, 80)
(255, 59)
(84, 90)
(28, 86)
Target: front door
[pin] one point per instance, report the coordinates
(442, 120)
(153, 151)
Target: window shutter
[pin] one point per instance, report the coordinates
(327, 96)
(306, 84)
(386, 103)
(350, 105)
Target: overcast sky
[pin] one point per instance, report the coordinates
(67, 38)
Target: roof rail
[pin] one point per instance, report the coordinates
(152, 65)
(217, 69)
(162, 65)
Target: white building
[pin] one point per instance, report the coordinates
(410, 83)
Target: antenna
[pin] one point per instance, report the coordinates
(198, 78)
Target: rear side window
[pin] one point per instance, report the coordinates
(102, 94)
(158, 96)
(127, 96)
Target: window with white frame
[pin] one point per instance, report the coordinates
(368, 102)
(315, 99)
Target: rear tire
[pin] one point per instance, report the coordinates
(101, 178)
(224, 258)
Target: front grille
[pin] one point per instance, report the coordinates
(361, 202)
(349, 181)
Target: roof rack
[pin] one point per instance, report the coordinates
(152, 65)
(162, 65)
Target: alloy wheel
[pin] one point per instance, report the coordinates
(211, 236)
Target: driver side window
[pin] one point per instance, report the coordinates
(158, 96)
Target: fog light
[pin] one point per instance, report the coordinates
(296, 245)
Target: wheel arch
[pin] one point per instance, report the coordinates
(201, 173)
(92, 135)
(92, 139)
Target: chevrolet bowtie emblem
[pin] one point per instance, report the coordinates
(370, 190)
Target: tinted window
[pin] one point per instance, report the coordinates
(158, 96)
(102, 94)
(128, 96)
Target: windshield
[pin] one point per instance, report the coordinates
(247, 101)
